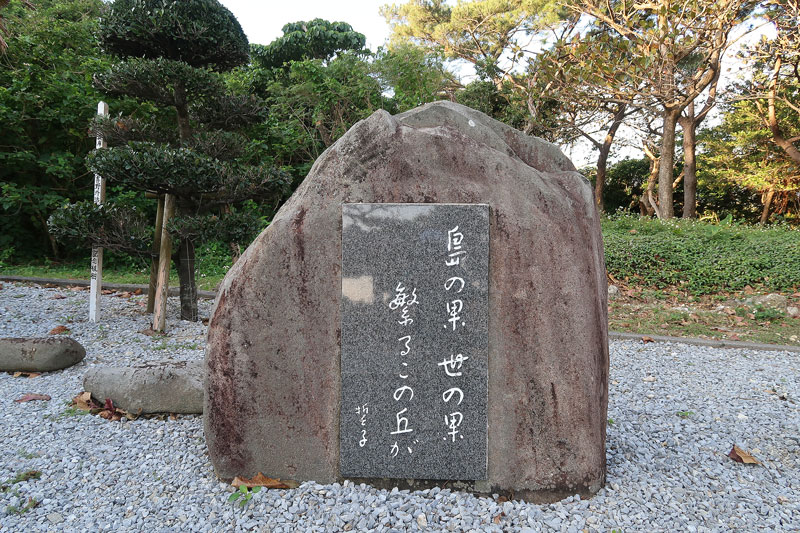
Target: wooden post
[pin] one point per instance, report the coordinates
(151, 292)
(164, 261)
(96, 284)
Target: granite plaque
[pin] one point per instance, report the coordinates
(415, 280)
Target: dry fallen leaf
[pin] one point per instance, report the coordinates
(26, 374)
(114, 416)
(205, 321)
(107, 291)
(50, 286)
(124, 295)
(647, 339)
(58, 296)
(84, 402)
(497, 518)
(260, 480)
(741, 456)
(149, 332)
(58, 330)
(734, 337)
(137, 292)
(77, 288)
(31, 397)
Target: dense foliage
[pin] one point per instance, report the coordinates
(170, 55)
(199, 33)
(700, 257)
(46, 102)
(315, 39)
(230, 136)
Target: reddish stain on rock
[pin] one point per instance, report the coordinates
(273, 382)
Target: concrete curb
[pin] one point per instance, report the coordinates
(713, 343)
(120, 287)
(614, 335)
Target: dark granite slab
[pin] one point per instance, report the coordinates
(414, 341)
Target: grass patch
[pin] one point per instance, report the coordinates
(211, 265)
(19, 478)
(700, 257)
(29, 504)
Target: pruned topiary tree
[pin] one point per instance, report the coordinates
(172, 54)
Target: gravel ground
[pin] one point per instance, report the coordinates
(675, 411)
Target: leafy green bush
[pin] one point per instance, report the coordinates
(111, 225)
(700, 257)
(315, 39)
(178, 31)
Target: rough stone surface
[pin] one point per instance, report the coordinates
(793, 311)
(175, 387)
(272, 359)
(43, 354)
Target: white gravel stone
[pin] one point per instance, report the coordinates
(668, 441)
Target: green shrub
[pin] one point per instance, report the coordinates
(201, 33)
(702, 258)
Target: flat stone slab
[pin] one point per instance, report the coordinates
(415, 282)
(41, 354)
(174, 387)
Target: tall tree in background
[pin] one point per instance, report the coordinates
(172, 54)
(413, 75)
(315, 39)
(318, 79)
(317, 82)
(661, 36)
(590, 103)
(758, 143)
(689, 121)
(497, 37)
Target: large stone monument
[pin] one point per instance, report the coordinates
(429, 305)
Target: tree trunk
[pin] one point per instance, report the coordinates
(164, 261)
(151, 291)
(602, 158)
(688, 125)
(182, 111)
(768, 196)
(600, 180)
(667, 164)
(187, 281)
(772, 119)
(646, 205)
(50, 239)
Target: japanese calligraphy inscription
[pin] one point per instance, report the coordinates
(415, 280)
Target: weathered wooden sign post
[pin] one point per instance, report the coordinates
(97, 252)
